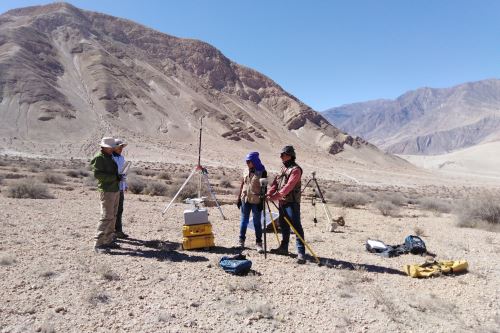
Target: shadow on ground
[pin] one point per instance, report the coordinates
(341, 264)
(155, 249)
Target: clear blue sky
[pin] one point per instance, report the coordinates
(329, 53)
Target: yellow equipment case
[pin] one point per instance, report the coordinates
(436, 268)
(197, 230)
(198, 242)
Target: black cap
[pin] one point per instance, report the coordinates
(289, 151)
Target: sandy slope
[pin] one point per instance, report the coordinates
(481, 161)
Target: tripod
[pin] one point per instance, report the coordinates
(340, 221)
(203, 176)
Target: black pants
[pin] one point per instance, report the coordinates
(118, 225)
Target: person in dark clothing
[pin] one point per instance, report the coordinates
(286, 188)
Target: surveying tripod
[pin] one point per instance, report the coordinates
(340, 221)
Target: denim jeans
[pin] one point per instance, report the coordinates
(118, 224)
(245, 217)
(292, 212)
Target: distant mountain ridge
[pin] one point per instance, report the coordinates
(73, 76)
(426, 121)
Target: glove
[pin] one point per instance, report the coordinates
(238, 203)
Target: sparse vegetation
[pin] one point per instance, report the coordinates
(136, 185)
(80, 173)
(348, 199)
(51, 178)
(107, 274)
(163, 175)
(225, 183)
(6, 260)
(28, 189)
(387, 208)
(156, 189)
(395, 198)
(97, 296)
(435, 204)
(482, 212)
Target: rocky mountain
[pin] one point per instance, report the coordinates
(69, 77)
(426, 121)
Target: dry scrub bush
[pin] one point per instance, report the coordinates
(397, 199)
(97, 296)
(163, 175)
(80, 173)
(156, 189)
(28, 189)
(348, 199)
(107, 274)
(90, 182)
(436, 205)
(51, 178)
(482, 212)
(144, 172)
(387, 208)
(136, 185)
(6, 260)
(225, 183)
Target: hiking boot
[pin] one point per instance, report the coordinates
(112, 246)
(121, 234)
(301, 259)
(241, 243)
(101, 249)
(259, 248)
(282, 249)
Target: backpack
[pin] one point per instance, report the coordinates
(237, 265)
(415, 245)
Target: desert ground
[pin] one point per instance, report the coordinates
(52, 281)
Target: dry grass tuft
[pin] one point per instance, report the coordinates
(107, 274)
(156, 189)
(348, 199)
(51, 178)
(28, 189)
(96, 297)
(482, 212)
(136, 185)
(164, 175)
(387, 208)
(6, 260)
(247, 284)
(435, 205)
(80, 173)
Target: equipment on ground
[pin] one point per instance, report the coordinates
(203, 176)
(197, 231)
(436, 268)
(340, 221)
(415, 245)
(237, 265)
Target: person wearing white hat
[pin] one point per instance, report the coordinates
(120, 161)
(108, 179)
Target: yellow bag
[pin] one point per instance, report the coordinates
(436, 268)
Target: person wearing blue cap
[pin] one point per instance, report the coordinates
(249, 199)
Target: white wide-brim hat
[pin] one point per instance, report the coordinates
(120, 142)
(108, 142)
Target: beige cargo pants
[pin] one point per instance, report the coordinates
(106, 226)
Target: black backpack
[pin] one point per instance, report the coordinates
(415, 245)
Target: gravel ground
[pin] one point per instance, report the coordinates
(52, 281)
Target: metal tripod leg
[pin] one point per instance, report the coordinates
(205, 177)
(180, 190)
(272, 222)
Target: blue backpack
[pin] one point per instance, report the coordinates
(415, 245)
(237, 265)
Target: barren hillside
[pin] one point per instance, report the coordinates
(69, 77)
(426, 121)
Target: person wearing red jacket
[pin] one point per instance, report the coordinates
(286, 189)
